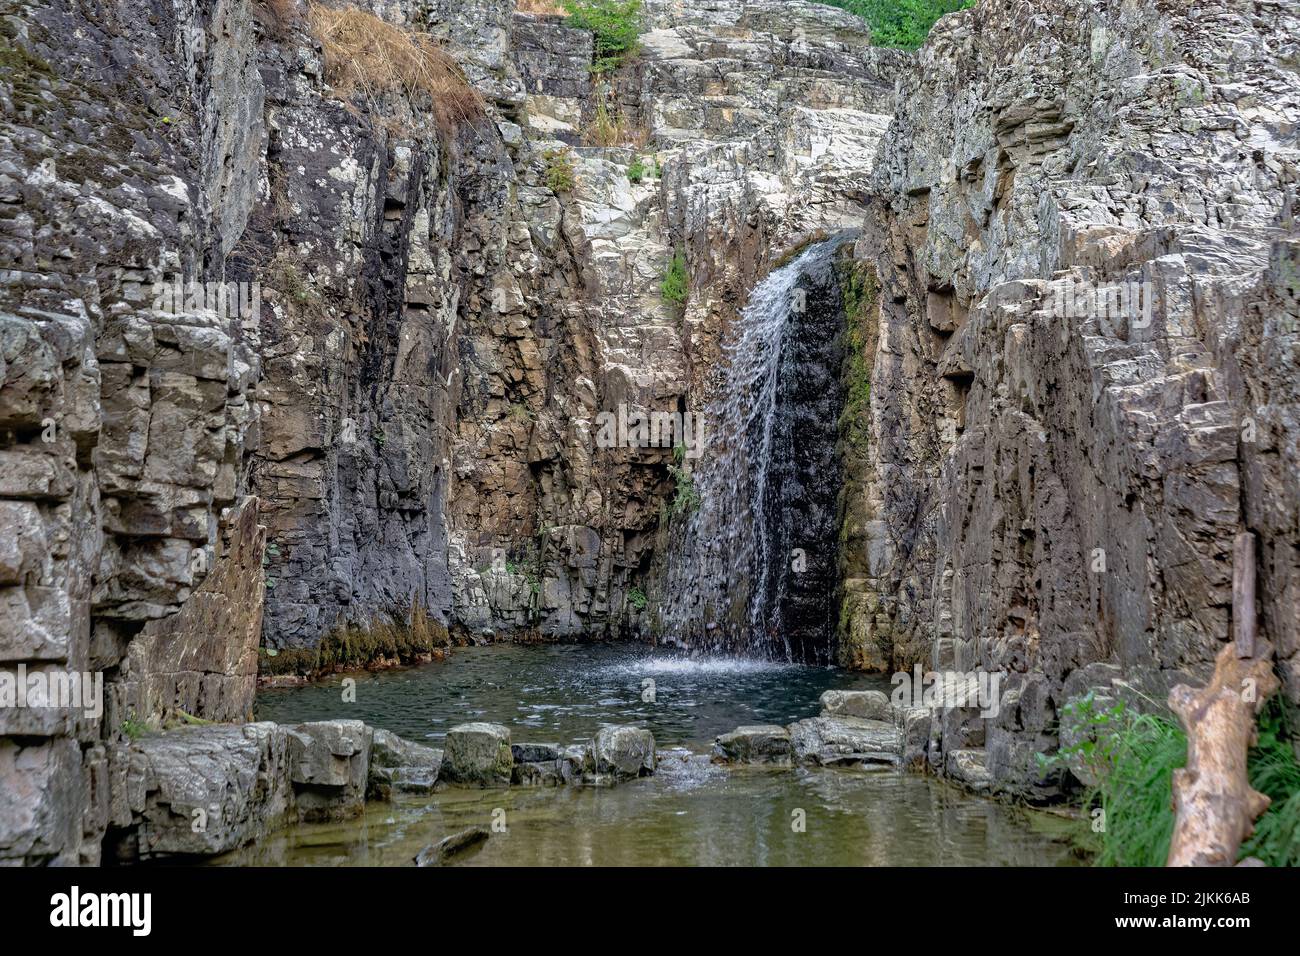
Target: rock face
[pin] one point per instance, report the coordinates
(1085, 384)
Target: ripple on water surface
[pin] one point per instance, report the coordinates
(562, 693)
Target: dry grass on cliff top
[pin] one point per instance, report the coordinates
(367, 55)
(551, 7)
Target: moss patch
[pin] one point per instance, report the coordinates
(399, 636)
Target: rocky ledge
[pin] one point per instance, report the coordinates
(206, 790)
(858, 730)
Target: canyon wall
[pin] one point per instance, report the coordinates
(397, 404)
(1058, 482)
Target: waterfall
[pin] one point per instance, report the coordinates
(756, 571)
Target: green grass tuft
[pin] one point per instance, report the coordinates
(900, 23)
(1136, 755)
(675, 285)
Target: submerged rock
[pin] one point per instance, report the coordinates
(756, 744)
(478, 754)
(622, 751)
(869, 704)
(829, 741)
(450, 846)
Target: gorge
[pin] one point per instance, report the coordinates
(994, 344)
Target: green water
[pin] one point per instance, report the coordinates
(692, 812)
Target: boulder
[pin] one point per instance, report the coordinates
(829, 741)
(198, 791)
(539, 773)
(330, 767)
(535, 753)
(915, 723)
(399, 766)
(623, 751)
(969, 768)
(478, 754)
(757, 744)
(868, 704)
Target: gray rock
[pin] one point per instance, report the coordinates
(868, 704)
(969, 768)
(830, 741)
(915, 723)
(330, 767)
(623, 751)
(540, 773)
(535, 753)
(478, 754)
(760, 744)
(400, 766)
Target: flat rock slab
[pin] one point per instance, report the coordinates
(868, 704)
(755, 744)
(830, 741)
(478, 754)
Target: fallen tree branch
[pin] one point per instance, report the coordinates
(1215, 807)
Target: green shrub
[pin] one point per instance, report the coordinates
(558, 165)
(636, 172)
(685, 498)
(674, 287)
(616, 25)
(900, 23)
(636, 597)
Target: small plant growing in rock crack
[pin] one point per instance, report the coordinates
(380, 438)
(133, 727)
(636, 597)
(685, 499)
(636, 172)
(615, 27)
(674, 287)
(558, 169)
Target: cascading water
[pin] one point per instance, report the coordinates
(757, 567)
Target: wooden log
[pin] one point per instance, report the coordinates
(1243, 593)
(1215, 807)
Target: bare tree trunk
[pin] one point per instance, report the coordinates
(1215, 807)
